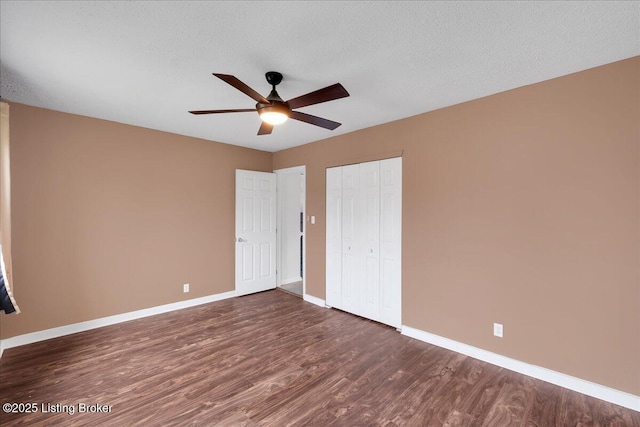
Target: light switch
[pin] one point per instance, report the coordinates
(313, 219)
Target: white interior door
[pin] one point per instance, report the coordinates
(364, 240)
(255, 231)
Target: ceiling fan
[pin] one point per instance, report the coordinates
(274, 111)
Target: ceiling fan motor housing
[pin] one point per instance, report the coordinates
(275, 107)
(277, 104)
(273, 78)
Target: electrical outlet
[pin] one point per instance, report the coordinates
(185, 288)
(497, 329)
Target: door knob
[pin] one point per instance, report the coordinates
(370, 251)
(240, 240)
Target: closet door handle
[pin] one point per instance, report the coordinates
(370, 251)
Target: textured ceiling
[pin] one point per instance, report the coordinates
(148, 63)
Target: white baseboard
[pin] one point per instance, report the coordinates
(1, 349)
(314, 300)
(110, 320)
(589, 388)
(287, 281)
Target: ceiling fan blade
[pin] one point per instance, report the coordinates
(328, 93)
(233, 81)
(314, 120)
(244, 110)
(265, 129)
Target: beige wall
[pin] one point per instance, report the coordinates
(110, 218)
(521, 208)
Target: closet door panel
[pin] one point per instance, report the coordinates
(334, 238)
(370, 244)
(391, 241)
(351, 237)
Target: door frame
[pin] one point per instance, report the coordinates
(299, 170)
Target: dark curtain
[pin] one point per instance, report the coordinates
(5, 301)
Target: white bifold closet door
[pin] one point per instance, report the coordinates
(364, 230)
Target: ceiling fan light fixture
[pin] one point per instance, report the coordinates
(274, 114)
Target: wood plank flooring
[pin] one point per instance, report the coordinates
(271, 359)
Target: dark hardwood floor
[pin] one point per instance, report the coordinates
(271, 359)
